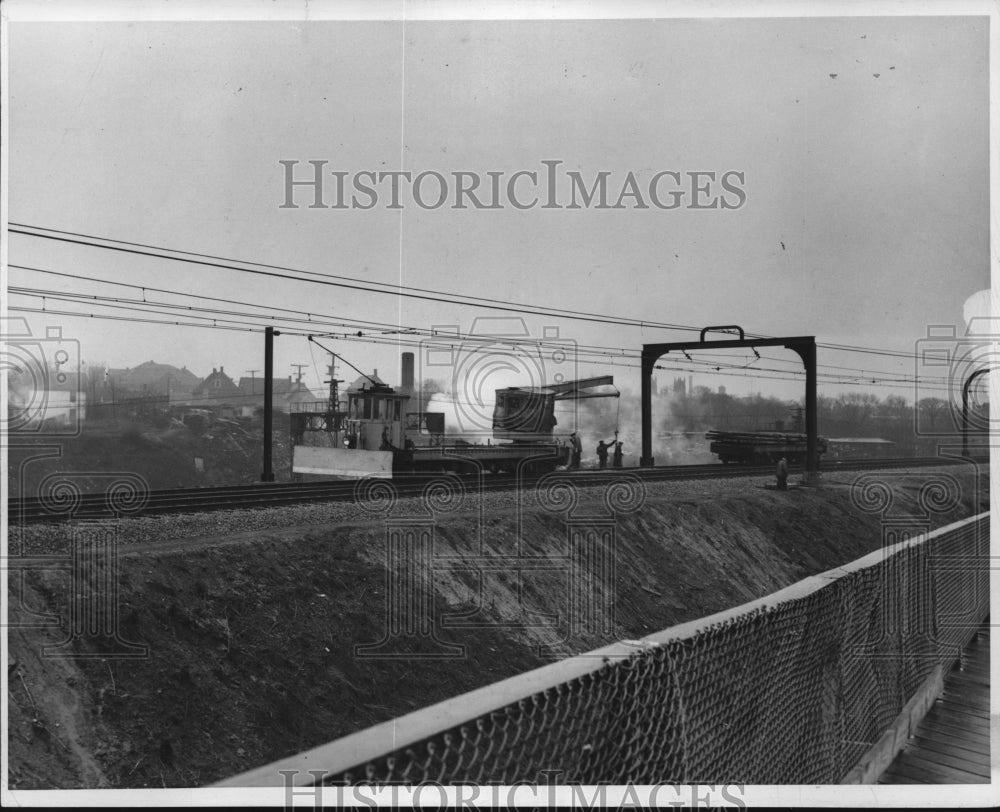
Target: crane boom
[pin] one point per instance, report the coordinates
(571, 389)
(579, 396)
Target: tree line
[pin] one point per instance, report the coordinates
(914, 428)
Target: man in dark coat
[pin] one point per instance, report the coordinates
(616, 458)
(576, 450)
(602, 454)
(782, 474)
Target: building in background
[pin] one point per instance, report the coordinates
(284, 391)
(218, 392)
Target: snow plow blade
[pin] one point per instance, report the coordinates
(352, 463)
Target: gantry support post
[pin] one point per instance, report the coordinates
(646, 460)
(807, 352)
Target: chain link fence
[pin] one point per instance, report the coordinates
(791, 689)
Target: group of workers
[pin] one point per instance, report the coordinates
(603, 448)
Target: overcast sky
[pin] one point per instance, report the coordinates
(862, 145)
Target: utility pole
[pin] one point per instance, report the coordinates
(269, 333)
(299, 368)
(333, 400)
(253, 380)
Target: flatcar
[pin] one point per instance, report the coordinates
(859, 448)
(760, 447)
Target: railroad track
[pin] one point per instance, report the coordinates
(62, 500)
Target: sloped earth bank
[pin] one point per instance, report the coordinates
(251, 618)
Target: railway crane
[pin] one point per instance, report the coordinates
(376, 437)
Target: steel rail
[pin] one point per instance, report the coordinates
(92, 506)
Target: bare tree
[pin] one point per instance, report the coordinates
(931, 411)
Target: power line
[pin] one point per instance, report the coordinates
(217, 316)
(392, 329)
(145, 305)
(358, 322)
(590, 349)
(354, 283)
(349, 283)
(731, 370)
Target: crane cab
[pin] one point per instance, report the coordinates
(527, 414)
(374, 419)
(524, 414)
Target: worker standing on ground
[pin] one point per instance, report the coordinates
(576, 451)
(602, 454)
(782, 474)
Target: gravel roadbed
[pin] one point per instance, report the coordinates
(448, 501)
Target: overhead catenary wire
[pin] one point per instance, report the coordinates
(217, 316)
(611, 356)
(349, 283)
(223, 316)
(328, 321)
(367, 324)
(230, 324)
(355, 283)
(597, 358)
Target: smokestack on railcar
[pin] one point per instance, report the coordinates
(407, 385)
(407, 375)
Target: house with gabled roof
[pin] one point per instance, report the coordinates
(218, 389)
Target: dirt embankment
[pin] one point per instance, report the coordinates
(252, 639)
